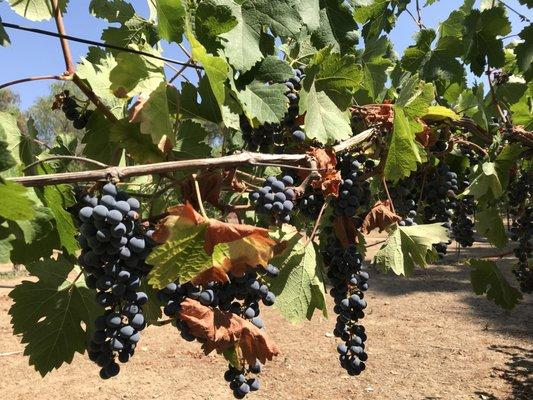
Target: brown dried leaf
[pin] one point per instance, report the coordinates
(380, 216)
(218, 330)
(424, 136)
(330, 178)
(345, 230)
(136, 110)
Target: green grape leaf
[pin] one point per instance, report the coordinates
(376, 15)
(524, 52)
(507, 158)
(338, 76)
(212, 19)
(271, 69)
(300, 287)
(135, 32)
(336, 27)
(58, 198)
(6, 239)
(486, 184)
(15, 204)
(440, 113)
(137, 145)
(152, 308)
(135, 74)
(523, 109)
(191, 141)
(266, 103)
(486, 278)
(153, 114)
(96, 69)
(8, 129)
(97, 140)
(454, 25)
(198, 103)
(216, 68)
(323, 120)
(481, 38)
(242, 44)
(49, 314)
(170, 19)
(114, 11)
(408, 246)
(181, 257)
(4, 38)
(309, 11)
(376, 61)
(405, 153)
(36, 10)
(490, 224)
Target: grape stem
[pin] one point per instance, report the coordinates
(317, 224)
(72, 158)
(199, 196)
(388, 194)
(33, 78)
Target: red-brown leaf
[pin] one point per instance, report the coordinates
(210, 184)
(380, 216)
(218, 330)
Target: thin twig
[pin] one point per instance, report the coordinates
(388, 194)
(33, 78)
(375, 244)
(419, 13)
(69, 64)
(317, 224)
(199, 196)
(520, 15)
(472, 145)
(10, 353)
(96, 43)
(73, 158)
(495, 100)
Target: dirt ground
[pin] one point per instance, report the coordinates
(430, 338)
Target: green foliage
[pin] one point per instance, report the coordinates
(300, 287)
(487, 279)
(35, 10)
(407, 247)
(490, 224)
(181, 257)
(15, 205)
(49, 313)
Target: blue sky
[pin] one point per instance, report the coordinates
(31, 54)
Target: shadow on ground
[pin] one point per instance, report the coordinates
(517, 371)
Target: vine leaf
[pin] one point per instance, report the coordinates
(408, 246)
(336, 27)
(440, 113)
(330, 178)
(266, 103)
(182, 256)
(212, 19)
(481, 40)
(58, 198)
(218, 330)
(490, 225)
(486, 278)
(170, 19)
(15, 204)
(323, 120)
(524, 52)
(9, 132)
(190, 141)
(216, 68)
(486, 186)
(193, 248)
(300, 287)
(380, 216)
(36, 10)
(375, 65)
(113, 11)
(49, 313)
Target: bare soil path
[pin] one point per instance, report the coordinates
(430, 338)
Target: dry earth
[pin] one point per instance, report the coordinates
(430, 337)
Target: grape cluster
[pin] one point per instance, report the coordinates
(279, 134)
(71, 110)
(440, 198)
(311, 203)
(349, 283)
(240, 296)
(276, 198)
(405, 196)
(521, 232)
(353, 193)
(114, 248)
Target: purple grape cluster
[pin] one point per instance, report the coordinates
(114, 249)
(276, 198)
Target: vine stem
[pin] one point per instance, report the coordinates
(470, 144)
(120, 173)
(72, 158)
(69, 64)
(33, 78)
(388, 194)
(96, 43)
(199, 196)
(317, 224)
(495, 98)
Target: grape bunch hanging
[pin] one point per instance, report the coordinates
(114, 249)
(73, 112)
(241, 296)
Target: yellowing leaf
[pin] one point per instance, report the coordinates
(439, 113)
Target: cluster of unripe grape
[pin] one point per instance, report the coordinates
(72, 112)
(114, 248)
(276, 198)
(279, 134)
(241, 296)
(349, 283)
